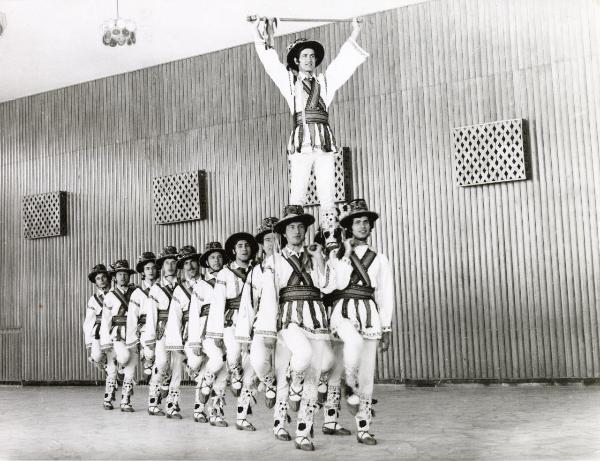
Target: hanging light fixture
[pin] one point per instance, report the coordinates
(118, 31)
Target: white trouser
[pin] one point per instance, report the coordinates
(305, 354)
(262, 359)
(301, 165)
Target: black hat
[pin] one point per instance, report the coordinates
(169, 252)
(186, 252)
(210, 248)
(235, 238)
(145, 258)
(355, 209)
(294, 49)
(293, 213)
(98, 269)
(121, 265)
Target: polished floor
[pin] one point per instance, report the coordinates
(459, 422)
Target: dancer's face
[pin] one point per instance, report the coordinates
(242, 251)
(361, 228)
(122, 278)
(215, 261)
(190, 268)
(102, 281)
(269, 243)
(169, 267)
(306, 60)
(295, 233)
(150, 271)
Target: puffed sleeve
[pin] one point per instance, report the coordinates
(268, 308)
(88, 323)
(133, 314)
(151, 316)
(173, 340)
(216, 314)
(276, 71)
(384, 292)
(350, 56)
(106, 323)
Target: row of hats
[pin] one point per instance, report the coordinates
(291, 213)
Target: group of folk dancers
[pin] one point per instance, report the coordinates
(297, 319)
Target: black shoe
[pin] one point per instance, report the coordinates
(107, 405)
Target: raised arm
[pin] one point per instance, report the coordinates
(275, 69)
(350, 56)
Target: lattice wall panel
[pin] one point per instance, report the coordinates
(45, 215)
(343, 179)
(489, 153)
(179, 197)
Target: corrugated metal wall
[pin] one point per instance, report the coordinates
(492, 282)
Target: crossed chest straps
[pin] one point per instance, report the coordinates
(363, 292)
(142, 317)
(300, 288)
(120, 319)
(315, 114)
(96, 329)
(232, 305)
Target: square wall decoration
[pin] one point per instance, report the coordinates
(343, 179)
(45, 215)
(489, 153)
(179, 197)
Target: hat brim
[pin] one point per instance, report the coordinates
(306, 219)
(346, 221)
(162, 259)
(234, 238)
(296, 49)
(260, 237)
(92, 275)
(129, 271)
(139, 267)
(206, 254)
(185, 258)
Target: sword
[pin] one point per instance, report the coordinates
(255, 17)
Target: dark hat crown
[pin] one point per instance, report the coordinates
(298, 41)
(121, 264)
(99, 268)
(292, 210)
(358, 204)
(186, 251)
(146, 256)
(212, 246)
(267, 224)
(169, 251)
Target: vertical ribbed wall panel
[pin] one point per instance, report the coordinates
(491, 282)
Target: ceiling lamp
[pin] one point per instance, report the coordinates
(118, 31)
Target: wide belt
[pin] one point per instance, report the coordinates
(231, 306)
(353, 292)
(119, 320)
(311, 116)
(299, 293)
(98, 319)
(233, 303)
(163, 315)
